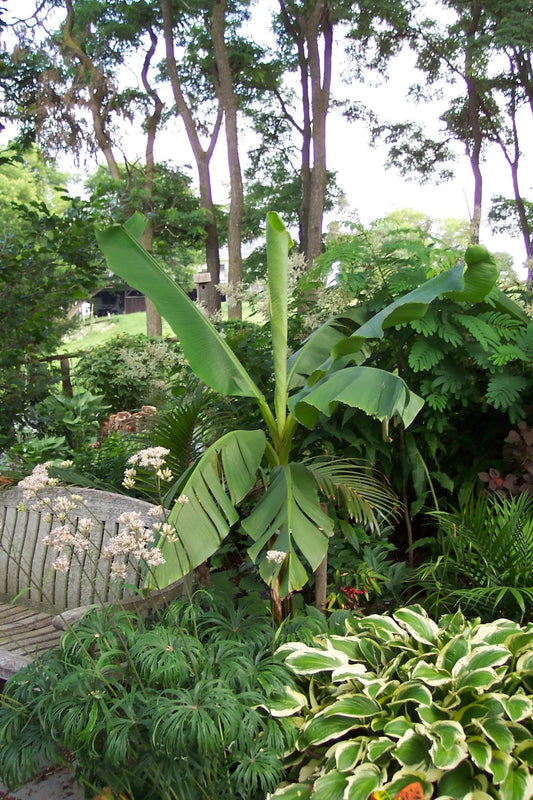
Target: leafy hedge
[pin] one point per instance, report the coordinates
(401, 698)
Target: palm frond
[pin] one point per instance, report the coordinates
(180, 431)
(359, 487)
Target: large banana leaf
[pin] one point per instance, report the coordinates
(278, 242)
(347, 333)
(289, 515)
(207, 353)
(378, 393)
(202, 518)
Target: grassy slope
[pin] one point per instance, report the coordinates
(96, 332)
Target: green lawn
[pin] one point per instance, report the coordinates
(91, 334)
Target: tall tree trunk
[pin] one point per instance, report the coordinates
(476, 133)
(202, 158)
(228, 99)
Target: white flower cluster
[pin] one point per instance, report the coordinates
(276, 556)
(133, 539)
(151, 458)
(70, 534)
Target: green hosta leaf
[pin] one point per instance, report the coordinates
(520, 642)
(286, 704)
(415, 620)
(499, 733)
(348, 754)
(481, 658)
(525, 662)
(477, 679)
(311, 660)
(432, 713)
(518, 785)
(458, 782)
(499, 766)
(371, 652)
(330, 786)
(430, 675)
(379, 747)
(449, 732)
(358, 705)
(412, 750)
(349, 672)
(228, 467)
(412, 691)
(294, 791)
(378, 393)
(524, 752)
(366, 779)
(323, 729)
(348, 645)
(452, 652)
(384, 628)
(480, 751)
(517, 707)
(448, 758)
(397, 727)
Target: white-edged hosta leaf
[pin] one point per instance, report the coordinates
(519, 643)
(386, 628)
(480, 679)
(286, 704)
(397, 727)
(323, 729)
(481, 658)
(412, 750)
(477, 795)
(417, 623)
(518, 785)
(446, 758)
(330, 786)
(348, 644)
(358, 706)
(449, 732)
(379, 747)
(404, 777)
(524, 752)
(524, 663)
(517, 707)
(308, 661)
(499, 733)
(349, 672)
(294, 791)
(500, 764)
(412, 692)
(431, 675)
(432, 713)
(459, 781)
(348, 754)
(480, 751)
(452, 652)
(366, 779)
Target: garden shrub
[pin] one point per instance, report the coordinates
(402, 698)
(131, 371)
(175, 706)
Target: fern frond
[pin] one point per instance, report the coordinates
(449, 332)
(524, 340)
(504, 390)
(180, 431)
(424, 355)
(450, 378)
(479, 329)
(427, 325)
(360, 488)
(507, 352)
(506, 326)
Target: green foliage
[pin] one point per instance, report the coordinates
(76, 418)
(131, 370)
(103, 464)
(401, 698)
(482, 560)
(47, 264)
(177, 705)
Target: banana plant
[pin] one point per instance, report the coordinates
(287, 525)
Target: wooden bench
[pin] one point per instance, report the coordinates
(36, 601)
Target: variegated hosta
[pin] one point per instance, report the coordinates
(401, 698)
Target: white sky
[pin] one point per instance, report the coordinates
(370, 189)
